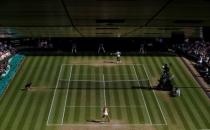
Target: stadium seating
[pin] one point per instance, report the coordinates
(198, 52)
(14, 62)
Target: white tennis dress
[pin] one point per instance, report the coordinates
(106, 112)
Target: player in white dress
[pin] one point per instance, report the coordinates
(105, 114)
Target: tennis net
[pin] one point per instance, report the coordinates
(107, 84)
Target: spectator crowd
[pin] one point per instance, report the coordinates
(198, 51)
(6, 51)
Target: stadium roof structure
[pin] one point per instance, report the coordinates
(102, 18)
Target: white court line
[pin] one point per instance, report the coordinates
(150, 121)
(66, 95)
(54, 94)
(104, 90)
(103, 80)
(107, 106)
(106, 125)
(103, 64)
(156, 97)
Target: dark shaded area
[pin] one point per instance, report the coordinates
(110, 20)
(95, 88)
(163, 7)
(89, 46)
(188, 21)
(151, 88)
(113, 87)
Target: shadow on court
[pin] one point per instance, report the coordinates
(95, 88)
(95, 121)
(89, 88)
(107, 88)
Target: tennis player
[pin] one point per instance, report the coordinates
(101, 48)
(118, 54)
(74, 48)
(105, 114)
(28, 85)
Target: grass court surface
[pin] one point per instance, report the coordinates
(69, 93)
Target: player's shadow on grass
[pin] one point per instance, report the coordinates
(158, 89)
(23, 89)
(149, 88)
(188, 87)
(153, 88)
(109, 62)
(95, 121)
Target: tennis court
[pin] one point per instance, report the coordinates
(68, 93)
(82, 90)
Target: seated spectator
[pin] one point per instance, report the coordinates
(198, 51)
(5, 52)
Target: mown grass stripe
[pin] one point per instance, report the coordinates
(195, 101)
(72, 100)
(116, 95)
(29, 107)
(5, 104)
(69, 73)
(150, 100)
(142, 113)
(13, 116)
(184, 114)
(40, 122)
(159, 65)
(54, 86)
(16, 99)
(200, 94)
(110, 99)
(42, 98)
(98, 93)
(156, 114)
(84, 112)
(177, 112)
(187, 102)
(88, 97)
(123, 70)
(68, 93)
(154, 69)
(52, 82)
(78, 99)
(59, 97)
